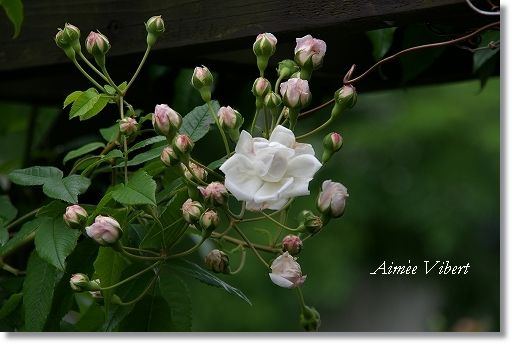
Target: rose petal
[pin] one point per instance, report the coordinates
(243, 186)
(244, 144)
(283, 136)
(280, 281)
(271, 191)
(299, 187)
(303, 148)
(303, 166)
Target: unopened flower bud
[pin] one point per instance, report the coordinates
(97, 45)
(73, 36)
(310, 319)
(169, 157)
(191, 210)
(217, 261)
(292, 244)
(128, 126)
(105, 230)
(286, 68)
(75, 216)
(345, 98)
(229, 118)
(166, 121)
(332, 143)
(214, 193)
(202, 80)
(155, 27)
(62, 40)
(261, 87)
(209, 220)
(331, 200)
(182, 146)
(295, 93)
(264, 47)
(272, 100)
(311, 223)
(81, 282)
(286, 272)
(198, 172)
(309, 54)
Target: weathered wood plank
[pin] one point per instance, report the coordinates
(193, 22)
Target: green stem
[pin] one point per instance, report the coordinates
(135, 249)
(239, 231)
(265, 119)
(141, 294)
(146, 53)
(125, 144)
(131, 277)
(241, 266)
(272, 214)
(315, 130)
(301, 298)
(86, 60)
(253, 124)
(189, 251)
(200, 181)
(111, 82)
(209, 170)
(243, 243)
(88, 76)
(81, 161)
(22, 218)
(278, 81)
(280, 224)
(127, 254)
(10, 269)
(224, 138)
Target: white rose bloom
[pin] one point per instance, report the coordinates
(286, 272)
(267, 173)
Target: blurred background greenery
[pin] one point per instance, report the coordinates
(422, 166)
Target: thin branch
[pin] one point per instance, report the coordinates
(485, 13)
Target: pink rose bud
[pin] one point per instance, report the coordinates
(105, 230)
(80, 282)
(345, 98)
(191, 210)
(169, 157)
(128, 126)
(331, 200)
(214, 193)
(182, 146)
(75, 216)
(292, 244)
(155, 26)
(286, 272)
(166, 121)
(199, 172)
(332, 143)
(261, 87)
(217, 261)
(97, 45)
(202, 81)
(229, 118)
(295, 93)
(265, 44)
(310, 52)
(209, 220)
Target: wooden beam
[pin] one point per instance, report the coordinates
(195, 22)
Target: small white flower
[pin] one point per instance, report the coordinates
(308, 47)
(286, 272)
(267, 173)
(295, 93)
(332, 199)
(105, 230)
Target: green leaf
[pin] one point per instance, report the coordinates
(141, 158)
(55, 241)
(151, 314)
(147, 142)
(4, 234)
(204, 276)
(110, 134)
(110, 90)
(381, 40)
(480, 57)
(52, 209)
(14, 11)
(217, 163)
(84, 103)
(10, 305)
(99, 104)
(36, 175)
(108, 267)
(23, 235)
(197, 122)
(38, 290)
(66, 189)
(174, 290)
(140, 189)
(7, 211)
(82, 150)
(71, 98)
